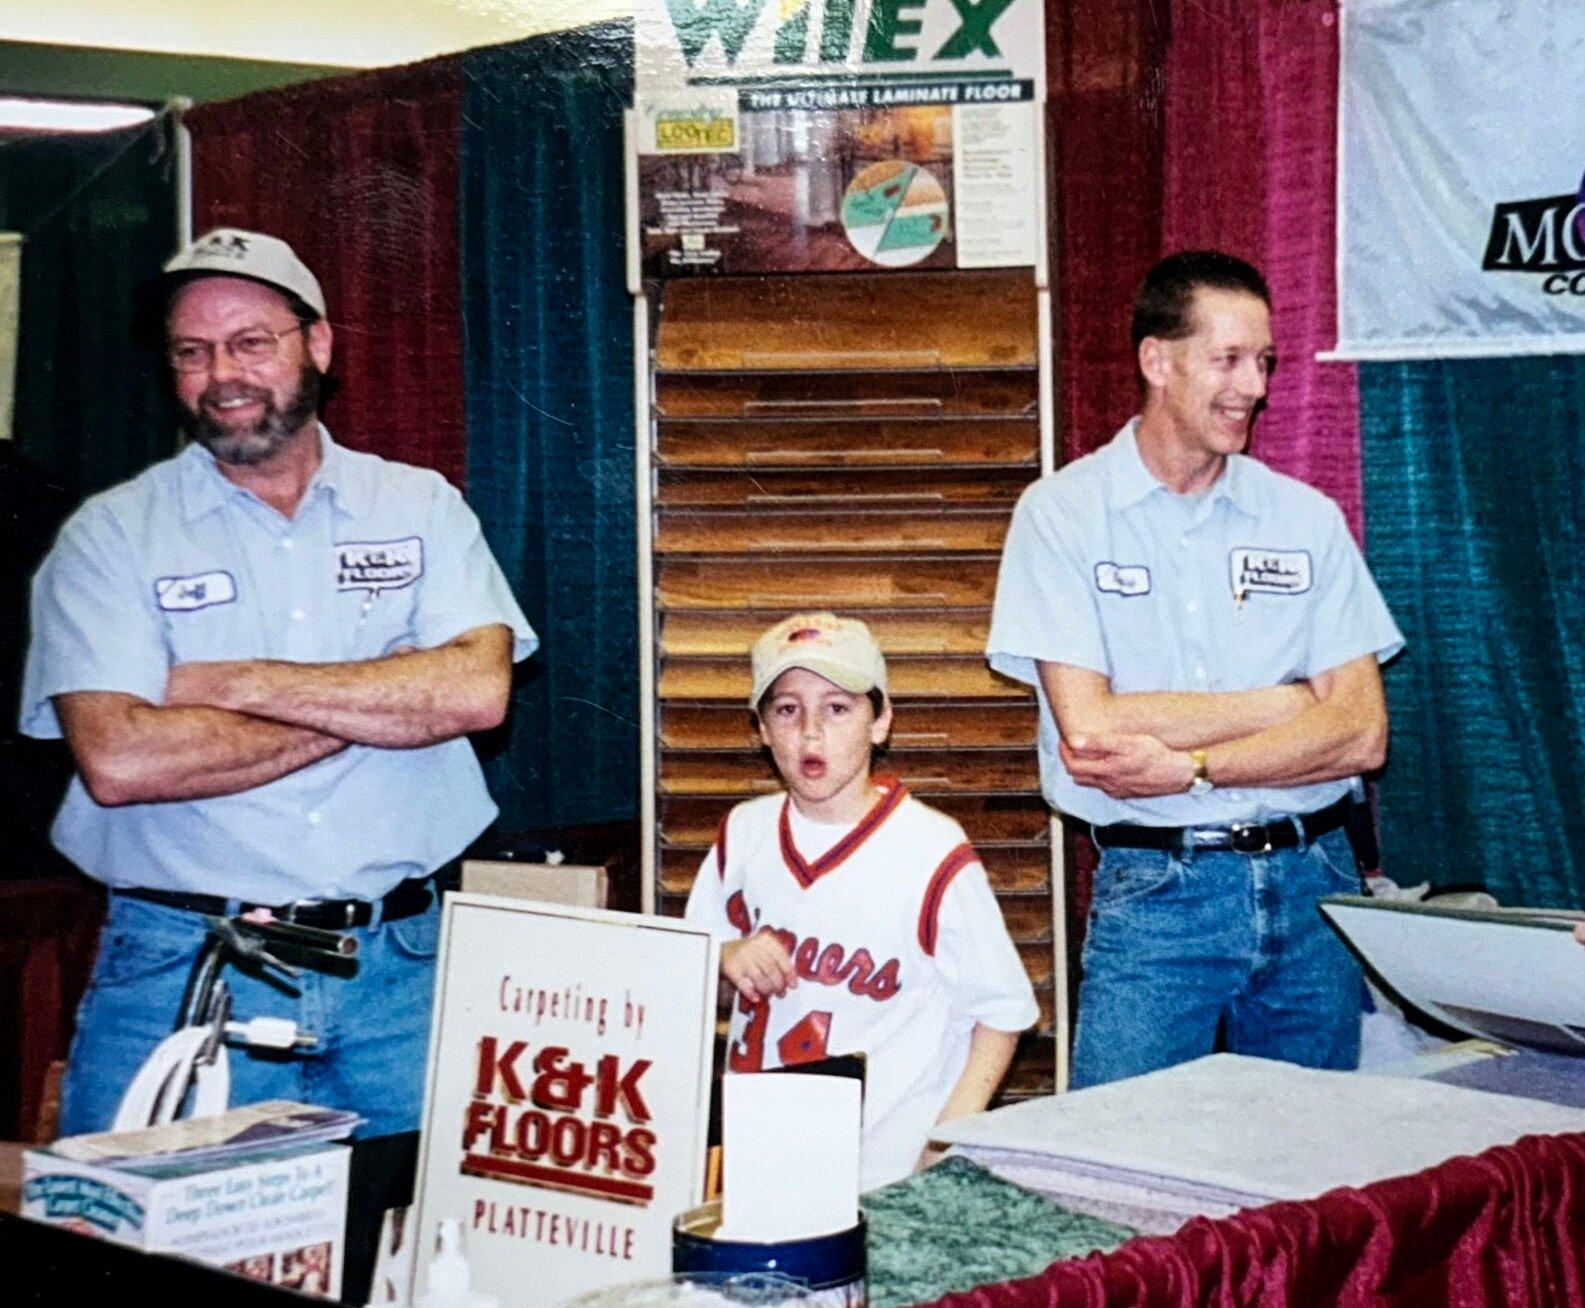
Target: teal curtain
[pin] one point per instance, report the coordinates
(99, 216)
(547, 323)
(1475, 529)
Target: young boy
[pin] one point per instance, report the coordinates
(860, 920)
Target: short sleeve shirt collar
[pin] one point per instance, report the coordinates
(204, 488)
(1130, 482)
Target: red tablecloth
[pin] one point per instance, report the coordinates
(1502, 1229)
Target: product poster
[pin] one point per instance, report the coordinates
(564, 1118)
(837, 135)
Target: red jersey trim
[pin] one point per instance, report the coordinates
(940, 880)
(894, 792)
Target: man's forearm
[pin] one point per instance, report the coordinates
(1195, 720)
(1086, 705)
(403, 701)
(132, 752)
(1342, 734)
(1326, 742)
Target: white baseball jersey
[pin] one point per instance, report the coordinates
(900, 949)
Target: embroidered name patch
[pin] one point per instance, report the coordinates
(1269, 572)
(375, 565)
(200, 591)
(1122, 578)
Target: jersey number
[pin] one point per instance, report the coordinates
(804, 1043)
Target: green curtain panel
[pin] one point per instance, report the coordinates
(1475, 531)
(98, 214)
(547, 325)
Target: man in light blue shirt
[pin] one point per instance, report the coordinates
(265, 655)
(1204, 638)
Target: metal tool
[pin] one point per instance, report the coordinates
(190, 1069)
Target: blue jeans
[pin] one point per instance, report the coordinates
(373, 1027)
(1179, 944)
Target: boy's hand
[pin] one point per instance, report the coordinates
(759, 967)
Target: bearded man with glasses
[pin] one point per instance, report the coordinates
(265, 655)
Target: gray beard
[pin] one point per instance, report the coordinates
(255, 444)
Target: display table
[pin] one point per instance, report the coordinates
(1504, 1228)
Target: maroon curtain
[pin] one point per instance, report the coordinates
(49, 929)
(1502, 1229)
(1104, 69)
(360, 174)
(1250, 167)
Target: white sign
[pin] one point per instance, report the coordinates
(760, 42)
(1461, 209)
(565, 1109)
(783, 136)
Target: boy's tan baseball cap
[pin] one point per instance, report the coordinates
(839, 649)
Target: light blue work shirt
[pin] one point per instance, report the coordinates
(1253, 583)
(180, 565)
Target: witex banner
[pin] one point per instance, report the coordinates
(1461, 207)
(565, 1111)
(837, 135)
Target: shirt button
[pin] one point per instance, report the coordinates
(1199, 674)
(1183, 541)
(298, 615)
(315, 818)
(1193, 606)
(287, 542)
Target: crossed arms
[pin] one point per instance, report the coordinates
(1136, 745)
(228, 727)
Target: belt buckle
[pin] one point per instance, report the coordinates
(1250, 837)
(298, 908)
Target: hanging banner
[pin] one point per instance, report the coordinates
(10, 299)
(1461, 207)
(837, 135)
(565, 1109)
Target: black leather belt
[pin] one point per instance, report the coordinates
(409, 899)
(1240, 837)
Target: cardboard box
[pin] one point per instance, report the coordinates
(576, 884)
(277, 1217)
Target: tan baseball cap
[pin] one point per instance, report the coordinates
(839, 649)
(233, 252)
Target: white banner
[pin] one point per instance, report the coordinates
(10, 299)
(779, 44)
(1461, 210)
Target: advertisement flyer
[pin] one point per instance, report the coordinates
(564, 1121)
(837, 135)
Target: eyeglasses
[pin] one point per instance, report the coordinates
(248, 347)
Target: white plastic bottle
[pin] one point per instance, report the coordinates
(446, 1283)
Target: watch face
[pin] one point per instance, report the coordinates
(1200, 786)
